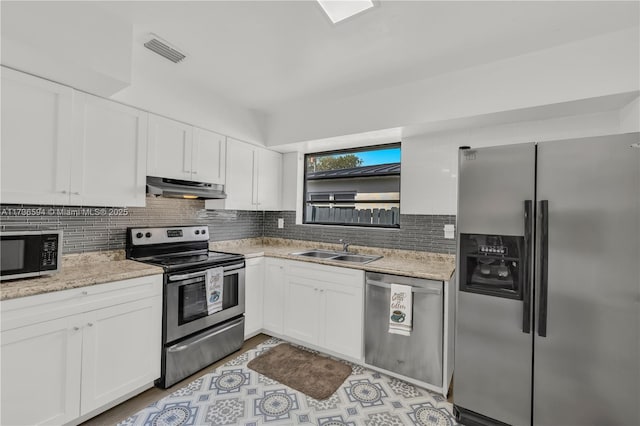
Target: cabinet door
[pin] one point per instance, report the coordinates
(301, 310)
(254, 282)
(273, 295)
(269, 180)
(240, 185)
(341, 318)
(41, 373)
(120, 351)
(169, 151)
(208, 157)
(36, 139)
(109, 155)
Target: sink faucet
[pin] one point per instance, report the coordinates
(345, 245)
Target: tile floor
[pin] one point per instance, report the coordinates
(232, 394)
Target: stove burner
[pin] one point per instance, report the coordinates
(191, 260)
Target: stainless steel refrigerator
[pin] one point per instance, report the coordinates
(548, 316)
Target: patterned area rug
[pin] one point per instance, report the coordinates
(235, 395)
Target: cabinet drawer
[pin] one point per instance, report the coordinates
(46, 307)
(326, 273)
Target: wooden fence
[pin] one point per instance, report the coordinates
(351, 215)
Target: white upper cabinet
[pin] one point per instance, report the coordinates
(180, 151)
(169, 152)
(241, 164)
(254, 178)
(208, 155)
(269, 180)
(77, 149)
(109, 155)
(36, 140)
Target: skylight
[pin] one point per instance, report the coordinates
(339, 10)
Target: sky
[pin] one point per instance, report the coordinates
(380, 156)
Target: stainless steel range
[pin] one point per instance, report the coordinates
(198, 327)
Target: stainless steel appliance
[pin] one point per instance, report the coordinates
(418, 356)
(31, 253)
(192, 338)
(548, 317)
(175, 188)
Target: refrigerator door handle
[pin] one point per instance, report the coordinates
(526, 282)
(543, 268)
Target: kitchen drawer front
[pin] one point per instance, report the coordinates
(46, 307)
(326, 273)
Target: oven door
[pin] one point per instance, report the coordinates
(186, 301)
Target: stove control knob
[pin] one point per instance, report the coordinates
(148, 235)
(139, 235)
(204, 231)
(197, 232)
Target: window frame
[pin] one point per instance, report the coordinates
(350, 151)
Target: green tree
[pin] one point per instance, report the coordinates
(346, 161)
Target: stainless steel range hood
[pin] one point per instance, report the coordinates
(174, 188)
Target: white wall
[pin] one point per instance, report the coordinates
(41, 38)
(589, 68)
(430, 161)
(185, 102)
(630, 117)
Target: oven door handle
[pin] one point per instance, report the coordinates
(180, 277)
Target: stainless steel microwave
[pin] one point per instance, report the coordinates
(29, 253)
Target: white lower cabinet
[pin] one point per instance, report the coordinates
(120, 351)
(273, 295)
(41, 373)
(319, 305)
(302, 310)
(253, 304)
(70, 353)
(323, 306)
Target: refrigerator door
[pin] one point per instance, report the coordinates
(493, 355)
(587, 369)
(492, 186)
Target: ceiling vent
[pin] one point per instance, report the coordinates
(162, 48)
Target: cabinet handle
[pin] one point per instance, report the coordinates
(76, 328)
(63, 191)
(321, 290)
(90, 324)
(75, 193)
(84, 293)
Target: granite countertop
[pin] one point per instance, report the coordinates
(86, 269)
(432, 266)
(80, 270)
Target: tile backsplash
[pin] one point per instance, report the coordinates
(90, 229)
(416, 232)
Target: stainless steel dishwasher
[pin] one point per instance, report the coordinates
(418, 356)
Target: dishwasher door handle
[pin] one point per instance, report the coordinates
(413, 289)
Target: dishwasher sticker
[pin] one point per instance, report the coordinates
(400, 310)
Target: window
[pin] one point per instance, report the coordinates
(357, 187)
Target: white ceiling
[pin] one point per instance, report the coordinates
(267, 54)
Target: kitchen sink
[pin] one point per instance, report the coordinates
(322, 254)
(358, 258)
(338, 256)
